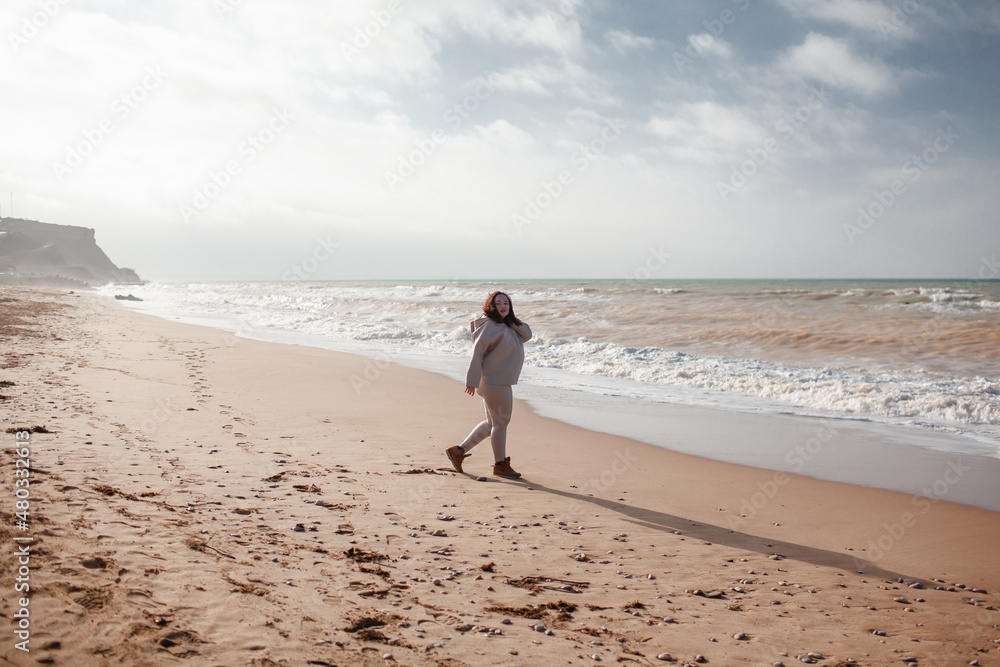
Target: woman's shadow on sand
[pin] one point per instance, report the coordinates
(729, 537)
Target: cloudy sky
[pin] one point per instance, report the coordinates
(256, 139)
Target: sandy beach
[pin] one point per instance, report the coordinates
(200, 498)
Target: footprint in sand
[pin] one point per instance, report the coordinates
(91, 599)
(179, 643)
(94, 563)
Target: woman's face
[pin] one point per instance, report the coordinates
(502, 304)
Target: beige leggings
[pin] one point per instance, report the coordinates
(499, 401)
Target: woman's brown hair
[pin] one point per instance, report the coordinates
(490, 310)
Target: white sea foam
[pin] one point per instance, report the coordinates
(900, 354)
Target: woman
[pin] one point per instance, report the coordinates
(497, 356)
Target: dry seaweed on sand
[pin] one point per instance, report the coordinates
(109, 491)
(539, 583)
(364, 625)
(240, 587)
(362, 556)
(200, 545)
(563, 609)
(377, 570)
(29, 429)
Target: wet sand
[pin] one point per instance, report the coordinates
(206, 499)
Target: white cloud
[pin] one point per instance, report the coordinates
(565, 77)
(704, 43)
(537, 79)
(977, 18)
(873, 17)
(831, 61)
(559, 80)
(540, 27)
(505, 136)
(360, 41)
(586, 121)
(706, 131)
(623, 41)
(344, 94)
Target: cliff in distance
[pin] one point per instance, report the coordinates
(40, 253)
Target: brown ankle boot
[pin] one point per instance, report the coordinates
(456, 455)
(503, 469)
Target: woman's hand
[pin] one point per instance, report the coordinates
(471, 391)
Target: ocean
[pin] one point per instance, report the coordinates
(918, 355)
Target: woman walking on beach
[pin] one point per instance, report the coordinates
(497, 356)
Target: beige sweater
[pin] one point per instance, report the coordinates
(497, 352)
